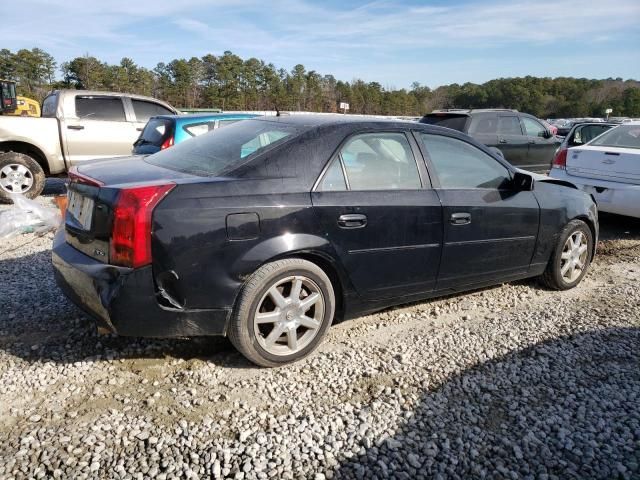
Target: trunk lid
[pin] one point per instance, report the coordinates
(93, 192)
(615, 164)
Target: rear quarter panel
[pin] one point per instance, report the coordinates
(41, 133)
(558, 206)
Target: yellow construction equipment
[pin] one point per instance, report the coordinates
(11, 104)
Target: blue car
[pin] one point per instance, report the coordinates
(164, 131)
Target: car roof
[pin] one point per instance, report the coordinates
(313, 120)
(207, 116)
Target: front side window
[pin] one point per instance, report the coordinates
(224, 150)
(374, 161)
(100, 108)
(533, 128)
(459, 164)
(144, 110)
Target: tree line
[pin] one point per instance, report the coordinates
(231, 83)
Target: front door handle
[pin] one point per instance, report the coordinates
(352, 220)
(460, 219)
(75, 127)
(532, 142)
(503, 140)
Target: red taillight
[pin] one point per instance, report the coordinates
(131, 232)
(167, 143)
(560, 160)
(77, 177)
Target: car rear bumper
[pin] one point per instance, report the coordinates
(611, 197)
(123, 300)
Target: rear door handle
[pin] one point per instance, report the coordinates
(75, 127)
(352, 220)
(460, 219)
(532, 142)
(502, 140)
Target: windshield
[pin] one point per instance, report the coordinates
(624, 136)
(456, 122)
(221, 150)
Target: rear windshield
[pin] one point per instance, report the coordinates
(624, 136)
(456, 122)
(155, 132)
(221, 150)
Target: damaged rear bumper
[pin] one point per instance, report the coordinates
(123, 300)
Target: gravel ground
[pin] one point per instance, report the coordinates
(508, 382)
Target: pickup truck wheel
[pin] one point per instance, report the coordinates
(19, 173)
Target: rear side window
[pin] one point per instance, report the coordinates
(49, 106)
(484, 124)
(225, 149)
(456, 122)
(509, 125)
(144, 110)
(587, 133)
(197, 129)
(155, 132)
(373, 161)
(463, 166)
(533, 128)
(100, 108)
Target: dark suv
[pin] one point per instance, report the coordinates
(523, 140)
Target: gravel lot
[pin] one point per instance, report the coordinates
(508, 382)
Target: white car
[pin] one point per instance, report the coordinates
(608, 167)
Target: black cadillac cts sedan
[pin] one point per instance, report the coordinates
(268, 230)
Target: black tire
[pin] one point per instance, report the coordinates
(552, 277)
(241, 330)
(34, 169)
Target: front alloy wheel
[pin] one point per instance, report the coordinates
(573, 259)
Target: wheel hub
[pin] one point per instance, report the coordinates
(15, 178)
(289, 315)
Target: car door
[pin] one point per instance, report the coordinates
(490, 228)
(542, 145)
(99, 129)
(375, 205)
(513, 143)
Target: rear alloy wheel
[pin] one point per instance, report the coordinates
(19, 173)
(571, 257)
(283, 312)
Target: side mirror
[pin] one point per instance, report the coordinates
(522, 182)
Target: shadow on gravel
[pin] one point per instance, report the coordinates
(38, 323)
(567, 408)
(618, 227)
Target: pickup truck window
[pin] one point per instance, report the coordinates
(145, 110)
(49, 106)
(100, 108)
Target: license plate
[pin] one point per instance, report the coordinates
(81, 209)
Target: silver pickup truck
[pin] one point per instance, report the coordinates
(76, 125)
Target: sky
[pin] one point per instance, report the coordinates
(393, 42)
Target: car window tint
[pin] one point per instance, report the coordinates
(380, 161)
(457, 122)
(483, 124)
(155, 132)
(509, 126)
(100, 108)
(333, 180)
(224, 150)
(586, 133)
(224, 123)
(533, 128)
(145, 110)
(461, 165)
(196, 129)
